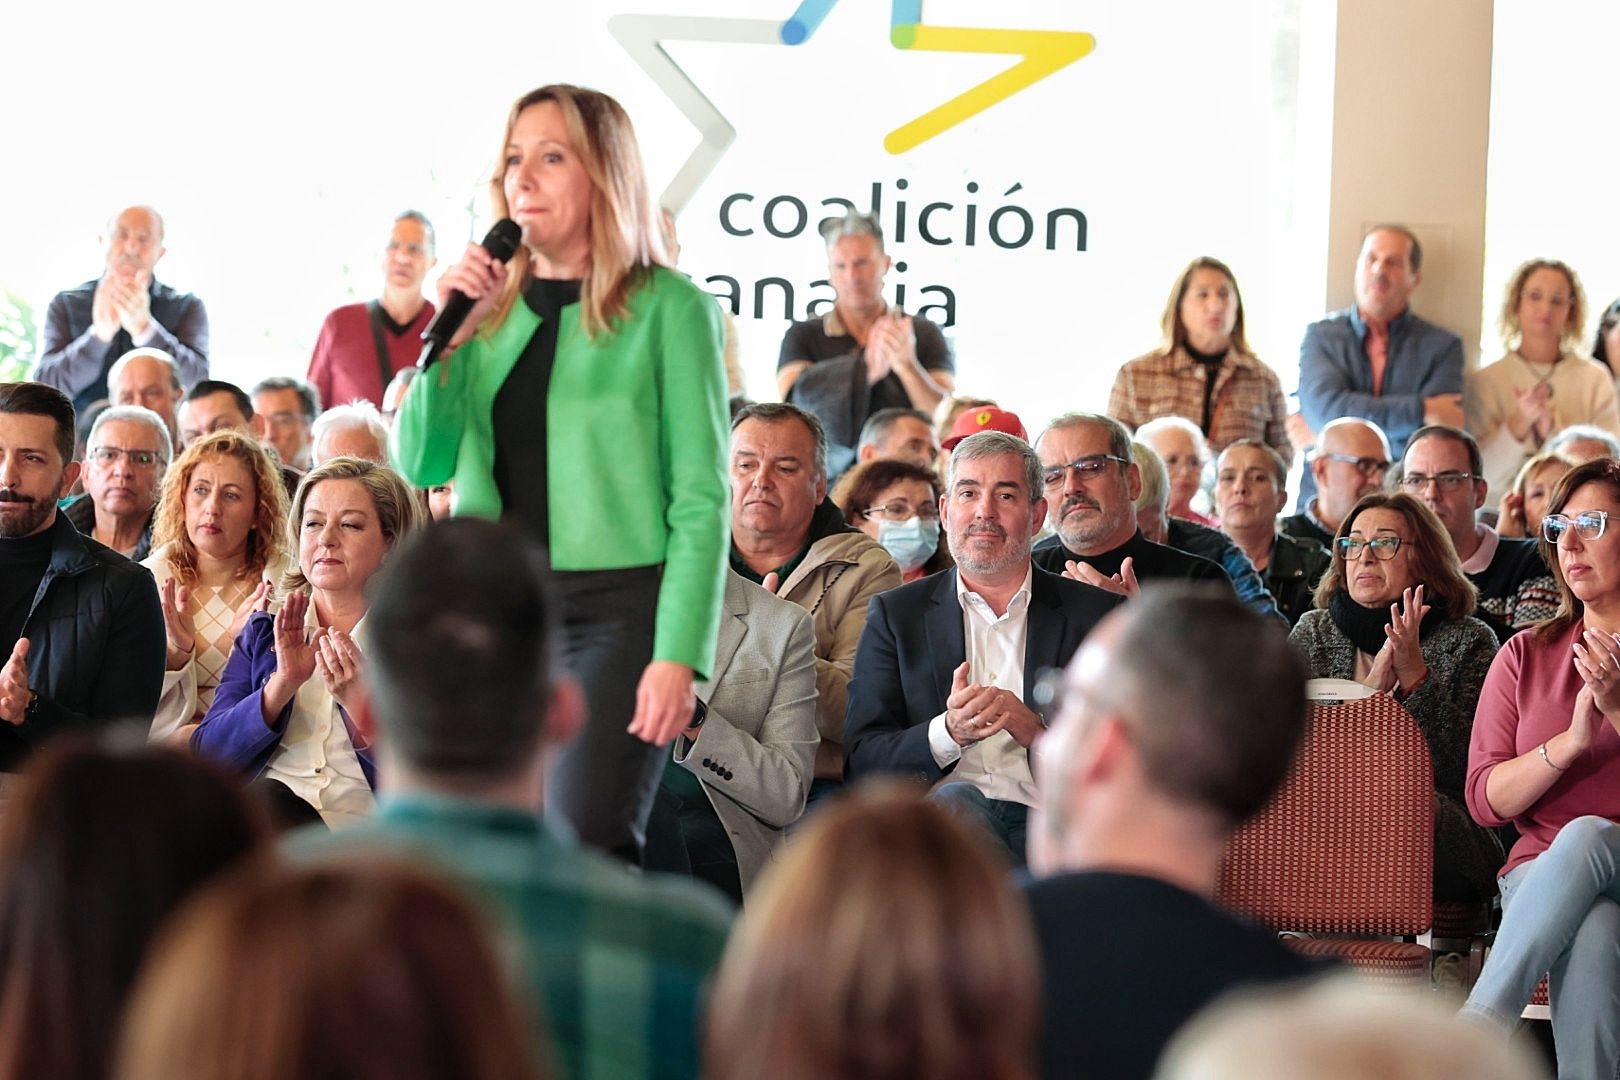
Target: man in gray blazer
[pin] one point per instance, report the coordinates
(740, 773)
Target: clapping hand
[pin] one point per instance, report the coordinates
(1123, 583)
(295, 653)
(258, 601)
(178, 625)
(1597, 659)
(1405, 650)
(14, 692)
(337, 661)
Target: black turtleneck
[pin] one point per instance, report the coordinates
(519, 414)
(22, 566)
(1211, 363)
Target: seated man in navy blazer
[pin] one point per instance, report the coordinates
(946, 668)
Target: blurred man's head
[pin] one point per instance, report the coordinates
(1180, 713)
(463, 686)
(289, 407)
(352, 430)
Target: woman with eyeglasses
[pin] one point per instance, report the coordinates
(896, 503)
(1545, 758)
(1544, 383)
(1395, 612)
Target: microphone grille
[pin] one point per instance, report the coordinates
(502, 239)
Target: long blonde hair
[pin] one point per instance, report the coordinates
(625, 237)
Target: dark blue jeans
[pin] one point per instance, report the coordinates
(1006, 821)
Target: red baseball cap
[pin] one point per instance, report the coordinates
(985, 418)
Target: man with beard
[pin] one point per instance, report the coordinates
(91, 325)
(944, 685)
(1091, 481)
(81, 629)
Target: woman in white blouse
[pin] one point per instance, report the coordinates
(218, 534)
(1545, 382)
(282, 710)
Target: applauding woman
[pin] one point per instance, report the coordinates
(219, 532)
(282, 708)
(586, 400)
(1545, 757)
(1544, 383)
(1394, 611)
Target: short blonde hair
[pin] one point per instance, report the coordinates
(1508, 320)
(1155, 478)
(1338, 1029)
(399, 511)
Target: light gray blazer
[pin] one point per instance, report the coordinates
(756, 751)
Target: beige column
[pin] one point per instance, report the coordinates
(1411, 119)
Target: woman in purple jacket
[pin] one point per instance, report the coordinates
(272, 717)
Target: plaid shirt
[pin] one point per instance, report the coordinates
(615, 963)
(1248, 402)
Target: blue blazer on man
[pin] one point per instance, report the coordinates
(912, 643)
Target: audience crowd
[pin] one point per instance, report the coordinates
(960, 716)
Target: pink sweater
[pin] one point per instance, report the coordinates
(1529, 696)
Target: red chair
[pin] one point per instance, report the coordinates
(1345, 851)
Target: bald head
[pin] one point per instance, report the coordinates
(1352, 459)
(147, 377)
(132, 241)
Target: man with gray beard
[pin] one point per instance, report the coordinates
(943, 690)
(1091, 481)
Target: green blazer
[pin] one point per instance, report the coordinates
(636, 438)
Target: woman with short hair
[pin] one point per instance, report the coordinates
(282, 709)
(896, 503)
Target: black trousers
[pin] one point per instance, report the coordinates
(605, 781)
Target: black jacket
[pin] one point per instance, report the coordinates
(914, 641)
(82, 512)
(1296, 566)
(96, 646)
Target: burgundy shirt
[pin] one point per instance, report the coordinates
(344, 366)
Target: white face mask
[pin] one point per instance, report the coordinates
(912, 542)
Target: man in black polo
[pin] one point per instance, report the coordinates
(1091, 485)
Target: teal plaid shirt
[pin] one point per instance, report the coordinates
(616, 962)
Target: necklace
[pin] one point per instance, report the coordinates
(1541, 380)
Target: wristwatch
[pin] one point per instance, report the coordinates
(700, 713)
(32, 711)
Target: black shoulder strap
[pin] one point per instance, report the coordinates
(385, 362)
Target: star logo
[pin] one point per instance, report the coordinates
(1041, 52)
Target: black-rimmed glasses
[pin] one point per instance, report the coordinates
(1383, 547)
(1366, 466)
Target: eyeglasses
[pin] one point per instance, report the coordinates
(1087, 468)
(1366, 466)
(1446, 481)
(107, 456)
(900, 511)
(1383, 548)
(1589, 525)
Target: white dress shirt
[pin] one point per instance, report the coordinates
(995, 644)
(316, 757)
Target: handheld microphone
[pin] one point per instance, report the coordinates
(501, 242)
